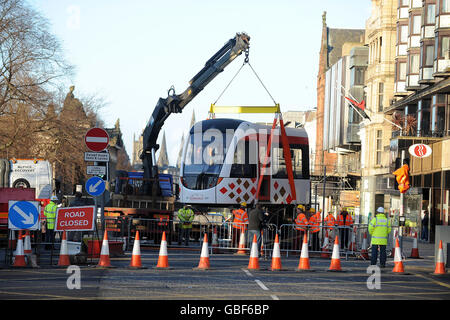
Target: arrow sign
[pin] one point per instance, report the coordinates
(23, 215)
(96, 139)
(95, 186)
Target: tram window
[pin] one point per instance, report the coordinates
(244, 160)
(279, 166)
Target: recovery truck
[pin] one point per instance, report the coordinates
(144, 198)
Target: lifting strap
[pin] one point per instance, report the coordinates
(286, 154)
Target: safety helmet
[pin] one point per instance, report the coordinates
(54, 198)
(380, 210)
(244, 204)
(301, 207)
(312, 210)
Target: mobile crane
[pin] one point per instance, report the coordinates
(144, 204)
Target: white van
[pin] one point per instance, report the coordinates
(32, 173)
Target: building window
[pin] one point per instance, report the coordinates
(380, 96)
(379, 146)
(445, 6)
(438, 115)
(402, 71)
(357, 76)
(414, 63)
(431, 14)
(403, 34)
(429, 56)
(444, 46)
(416, 23)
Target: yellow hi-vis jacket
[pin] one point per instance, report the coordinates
(50, 214)
(186, 217)
(379, 229)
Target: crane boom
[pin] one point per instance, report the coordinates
(175, 103)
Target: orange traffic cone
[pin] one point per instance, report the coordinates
(326, 242)
(304, 257)
(136, 261)
(352, 246)
(398, 264)
(254, 261)
(27, 243)
(12, 241)
(204, 256)
(242, 248)
(64, 259)
(104, 253)
(215, 242)
(163, 260)
(415, 249)
(335, 264)
(276, 255)
(19, 258)
(364, 252)
(440, 267)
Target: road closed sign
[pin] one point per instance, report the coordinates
(75, 219)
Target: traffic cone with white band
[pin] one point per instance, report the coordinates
(304, 257)
(440, 266)
(254, 261)
(136, 261)
(335, 264)
(242, 249)
(276, 255)
(163, 260)
(27, 243)
(364, 252)
(19, 258)
(326, 242)
(215, 242)
(204, 256)
(415, 249)
(64, 259)
(104, 253)
(398, 264)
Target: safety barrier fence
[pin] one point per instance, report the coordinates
(223, 237)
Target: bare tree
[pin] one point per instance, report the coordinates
(31, 64)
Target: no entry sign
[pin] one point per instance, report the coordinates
(75, 219)
(96, 139)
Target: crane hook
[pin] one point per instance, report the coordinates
(172, 89)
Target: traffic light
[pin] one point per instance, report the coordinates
(402, 177)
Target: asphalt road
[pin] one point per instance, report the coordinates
(228, 279)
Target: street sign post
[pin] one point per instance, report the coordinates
(96, 156)
(96, 139)
(96, 170)
(75, 219)
(23, 215)
(95, 186)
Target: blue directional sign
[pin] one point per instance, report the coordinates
(23, 215)
(95, 186)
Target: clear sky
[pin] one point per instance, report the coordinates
(131, 52)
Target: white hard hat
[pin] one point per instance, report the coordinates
(380, 210)
(54, 198)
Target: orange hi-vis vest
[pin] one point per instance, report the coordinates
(314, 222)
(330, 221)
(301, 222)
(348, 220)
(240, 219)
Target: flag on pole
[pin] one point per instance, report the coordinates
(359, 105)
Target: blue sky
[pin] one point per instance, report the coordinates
(131, 52)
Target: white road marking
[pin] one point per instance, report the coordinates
(247, 272)
(261, 284)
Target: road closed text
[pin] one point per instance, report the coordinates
(75, 219)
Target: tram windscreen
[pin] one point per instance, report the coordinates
(205, 153)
